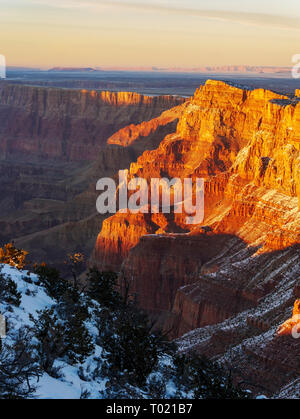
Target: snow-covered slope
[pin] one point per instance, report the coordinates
(34, 298)
(82, 380)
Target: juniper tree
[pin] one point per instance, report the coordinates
(18, 367)
(60, 338)
(51, 279)
(8, 291)
(78, 340)
(205, 378)
(131, 347)
(51, 336)
(102, 288)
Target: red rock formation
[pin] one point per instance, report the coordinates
(246, 145)
(253, 137)
(131, 133)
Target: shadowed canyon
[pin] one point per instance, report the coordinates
(52, 151)
(221, 288)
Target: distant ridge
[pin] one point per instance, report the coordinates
(72, 69)
(230, 69)
(239, 69)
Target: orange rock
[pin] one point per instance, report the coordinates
(246, 144)
(131, 133)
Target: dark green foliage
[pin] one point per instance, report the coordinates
(18, 364)
(51, 336)
(61, 331)
(205, 378)
(78, 340)
(72, 304)
(102, 288)
(131, 347)
(9, 291)
(59, 338)
(73, 311)
(50, 278)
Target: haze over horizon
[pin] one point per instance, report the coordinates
(131, 33)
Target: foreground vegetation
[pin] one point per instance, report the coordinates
(135, 361)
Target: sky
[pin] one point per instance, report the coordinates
(146, 33)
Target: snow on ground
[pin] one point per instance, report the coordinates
(37, 300)
(75, 381)
(69, 386)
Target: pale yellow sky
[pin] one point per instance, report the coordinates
(173, 33)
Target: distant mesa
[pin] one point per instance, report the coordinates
(16, 68)
(230, 69)
(239, 69)
(72, 69)
(225, 69)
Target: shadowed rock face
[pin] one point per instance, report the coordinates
(230, 281)
(68, 125)
(53, 149)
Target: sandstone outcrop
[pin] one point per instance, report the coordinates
(133, 133)
(246, 145)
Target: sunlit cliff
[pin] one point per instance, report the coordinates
(231, 281)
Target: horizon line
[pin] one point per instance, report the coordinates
(152, 68)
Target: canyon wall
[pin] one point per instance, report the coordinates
(221, 288)
(53, 149)
(246, 146)
(70, 125)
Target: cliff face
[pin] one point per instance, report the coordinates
(222, 287)
(134, 133)
(239, 269)
(246, 145)
(69, 125)
(53, 149)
